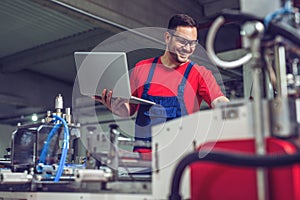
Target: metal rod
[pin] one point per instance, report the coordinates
(279, 53)
(254, 32)
(260, 147)
(105, 20)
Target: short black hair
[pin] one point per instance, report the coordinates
(181, 20)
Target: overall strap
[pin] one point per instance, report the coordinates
(150, 75)
(184, 79)
(181, 87)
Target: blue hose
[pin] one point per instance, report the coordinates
(64, 148)
(285, 10)
(47, 143)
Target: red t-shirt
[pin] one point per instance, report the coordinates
(201, 84)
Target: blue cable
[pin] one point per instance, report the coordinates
(64, 148)
(47, 143)
(285, 10)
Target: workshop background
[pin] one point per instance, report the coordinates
(39, 37)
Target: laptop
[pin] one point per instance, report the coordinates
(105, 70)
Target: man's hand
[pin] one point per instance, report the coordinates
(117, 106)
(219, 100)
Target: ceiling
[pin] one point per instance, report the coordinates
(39, 37)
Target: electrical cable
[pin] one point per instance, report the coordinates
(237, 159)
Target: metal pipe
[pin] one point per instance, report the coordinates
(211, 52)
(281, 123)
(105, 20)
(260, 147)
(279, 53)
(253, 32)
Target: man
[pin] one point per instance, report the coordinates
(172, 81)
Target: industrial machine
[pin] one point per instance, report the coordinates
(257, 133)
(48, 156)
(272, 53)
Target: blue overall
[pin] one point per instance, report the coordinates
(166, 108)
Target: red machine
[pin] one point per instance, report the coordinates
(213, 181)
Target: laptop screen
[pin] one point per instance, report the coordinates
(103, 70)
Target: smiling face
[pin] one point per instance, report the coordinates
(181, 44)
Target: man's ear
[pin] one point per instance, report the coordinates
(167, 37)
